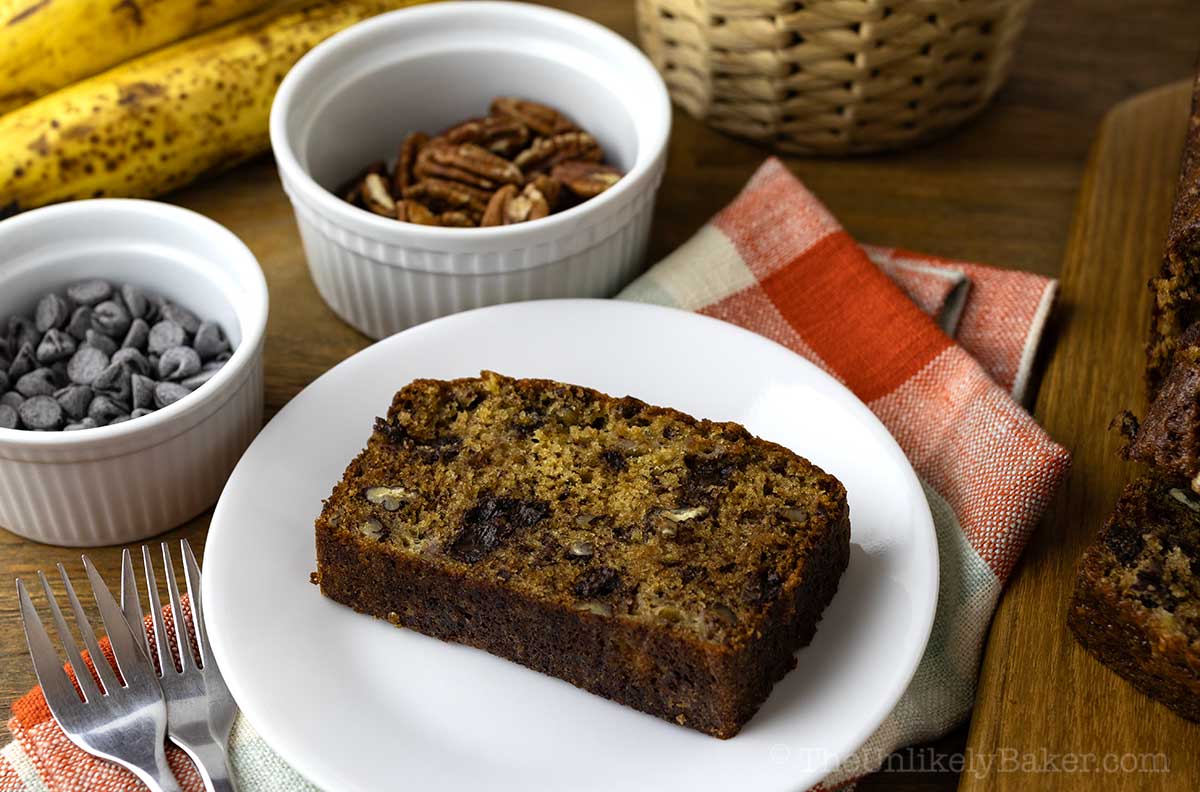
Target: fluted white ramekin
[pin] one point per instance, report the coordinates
(118, 484)
(354, 97)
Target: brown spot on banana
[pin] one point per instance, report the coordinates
(134, 94)
(135, 11)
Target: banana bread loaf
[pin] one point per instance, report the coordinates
(1136, 605)
(1176, 290)
(670, 564)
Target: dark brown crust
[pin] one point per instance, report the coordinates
(711, 684)
(1118, 631)
(1176, 290)
(1168, 438)
(708, 688)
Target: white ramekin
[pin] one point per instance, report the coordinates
(354, 97)
(118, 484)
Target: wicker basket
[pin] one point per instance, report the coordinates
(832, 76)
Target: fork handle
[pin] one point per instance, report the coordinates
(212, 760)
(156, 773)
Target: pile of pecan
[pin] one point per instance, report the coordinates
(522, 162)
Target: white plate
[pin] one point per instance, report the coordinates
(356, 704)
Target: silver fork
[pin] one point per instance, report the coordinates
(122, 720)
(200, 710)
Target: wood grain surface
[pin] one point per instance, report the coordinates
(1002, 190)
(1042, 696)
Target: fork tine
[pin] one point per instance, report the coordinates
(107, 678)
(131, 604)
(46, 662)
(83, 677)
(120, 635)
(186, 658)
(161, 644)
(191, 575)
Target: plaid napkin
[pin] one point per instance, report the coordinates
(941, 351)
(775, 261)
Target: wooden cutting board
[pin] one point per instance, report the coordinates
(1041, 698)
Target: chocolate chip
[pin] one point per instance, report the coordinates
(40, 412)
(86, 364)
(24, 362)
(165, 335)
(114, 382)
(81, 322)
(178, 363)
(90, 292)
(86, 423)
(210, 341)
(22, 331)
(138, 335)
(181, 316)
(491, 522)
(142, 389)
(3, 380)
(135, 301)
(39, 382)
(103, 409)
(59, 369)
(195, 381)
(596, 582)
(166, 393)
(131, 359)
(8, 417)
(111, 318)
(74, 400)
(119, 420)
(613, 459)
(100, 341)
(12, 399)
(52, 313)
(140, 411)
(55, 345)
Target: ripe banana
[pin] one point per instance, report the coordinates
(46, 44)
(160, 121)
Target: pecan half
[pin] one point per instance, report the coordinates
(414, 212)
(456, 219)
(493, 215)
(546, 152)
(469, 164)
(377, 197)
(403, 175)
(541, 119)
(509, 206)
(549, 187)
(586, 179)
(351, 190)
(498, 134)
(441, 195)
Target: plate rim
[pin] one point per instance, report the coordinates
(315, 772)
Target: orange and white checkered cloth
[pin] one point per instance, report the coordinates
(941, 351)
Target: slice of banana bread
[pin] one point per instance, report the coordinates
(1168, 438)
(1176, 289)
(667, 563)
(1136, 605)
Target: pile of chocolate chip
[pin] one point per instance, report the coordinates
(97, 355)
(522, 162)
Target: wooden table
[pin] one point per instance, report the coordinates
(1001, 190)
